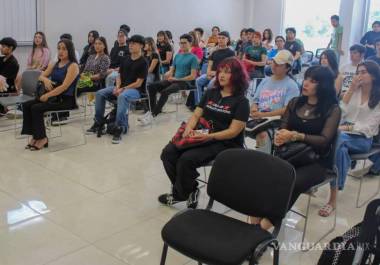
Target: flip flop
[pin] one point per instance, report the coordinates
(326, 210)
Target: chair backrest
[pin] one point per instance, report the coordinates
(307, 57)
(29, 81)
(252, 183)
(318, 52)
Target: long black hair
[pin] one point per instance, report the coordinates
(326, 92)
(70, 50)
(104, 41)
(332, 60)
(374, 70)
(95, 35)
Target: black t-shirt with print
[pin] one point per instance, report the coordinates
(163, 49)
(9, 69)
(220, 111)
(219, 55)
(131, 70)
(117, 55)
(156, 70)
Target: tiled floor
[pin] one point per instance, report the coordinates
(96, 204)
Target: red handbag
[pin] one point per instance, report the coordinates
(188, 142)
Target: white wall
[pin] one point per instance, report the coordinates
(145, 17)
(268, 14)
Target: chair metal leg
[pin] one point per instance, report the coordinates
(164, 254)
(359, 205)
(276, 255)
(305, 227)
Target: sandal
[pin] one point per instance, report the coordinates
(326, 210)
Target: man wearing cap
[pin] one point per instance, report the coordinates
(215, 58)
(255, 57)
(129, 85)
(274, 92)
(8, 65)
(118, 53)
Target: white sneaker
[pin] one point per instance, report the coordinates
(147, 114)
(147, 119)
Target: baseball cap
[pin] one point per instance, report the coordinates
(8, 41)
(137, 39)
(284, 57)
(123, 31)
(225, 34)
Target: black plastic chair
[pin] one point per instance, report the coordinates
(242, 180)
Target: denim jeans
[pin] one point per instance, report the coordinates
(375, 168)
(348, 144)
(123, 101)
(200, 83)
(111, 78)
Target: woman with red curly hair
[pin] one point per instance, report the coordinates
(227, 109)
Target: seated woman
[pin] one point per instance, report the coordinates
(89, 49)
(312, 118)
(153, 58)
(227, 109)
(360, 122)
(328, 59)
(96, 67)
(40, 55)
(64, 75)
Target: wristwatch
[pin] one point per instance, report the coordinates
(295, 137)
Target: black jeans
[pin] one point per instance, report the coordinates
(33, 115)
(165, 88)
(181, 165)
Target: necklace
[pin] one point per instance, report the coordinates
(306, 113)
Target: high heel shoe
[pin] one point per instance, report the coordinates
(36, 148)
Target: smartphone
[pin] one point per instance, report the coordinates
(203, 131)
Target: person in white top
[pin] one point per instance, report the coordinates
(348, 71)
(360, 123)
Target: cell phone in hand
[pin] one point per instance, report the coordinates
(202, 131)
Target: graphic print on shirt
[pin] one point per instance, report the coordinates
(271, 99)
(218, 108)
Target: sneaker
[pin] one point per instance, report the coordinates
(147, 119)
(94, 129)
(117, 132)
(192, 201)
(168, 199)
(14, 114)
(146, 114)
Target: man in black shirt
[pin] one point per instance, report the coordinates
(129, 86)
(368, 40)
(118, 53)
(295, 48)
(8, 68)
(8, 65)
(215, 58)
(376, 58)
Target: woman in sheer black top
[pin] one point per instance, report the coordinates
(312, 118)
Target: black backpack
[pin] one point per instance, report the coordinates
(342, 250)
(108, 124)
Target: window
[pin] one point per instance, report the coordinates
(311, 20)
(374, 13)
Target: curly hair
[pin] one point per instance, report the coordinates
(239, 76)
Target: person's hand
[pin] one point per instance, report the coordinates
(48, 84)
(117, 91)
(282, 136)
(257, 114)
(188, 132)
(355, 84)
(44, 98)
(172, 79)
(200, 136)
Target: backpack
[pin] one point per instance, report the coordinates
(342, 250)
(108, 124)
